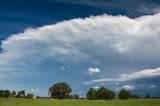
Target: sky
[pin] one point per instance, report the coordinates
(86, 43)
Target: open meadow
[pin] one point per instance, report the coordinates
(49, 102)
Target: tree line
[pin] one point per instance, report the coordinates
(13, 94)
(63, 90)
(105, 94)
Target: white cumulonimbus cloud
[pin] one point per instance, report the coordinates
(105, 39)
(98, 37)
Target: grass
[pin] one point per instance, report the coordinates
(48, 102)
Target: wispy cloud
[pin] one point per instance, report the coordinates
(35, 90)
(96, 87)
(140, 74)
(153, 86)
(128, 87)
(146, 73)
(141, 7)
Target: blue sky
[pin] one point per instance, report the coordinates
(86, 43)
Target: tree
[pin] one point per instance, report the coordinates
(91, 94)
(13, 94)
(50, 91)
(21, 94)
(124, 94)
(1, 93)
(134, 96)
(6, 93)
(76, 96)
(60, 90)
(103, 93)
(30, 96)
(71, 96)
(110, 94)
(147, 96)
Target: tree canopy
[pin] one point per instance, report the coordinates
(124, 94)
(30, 96)
(60, 90)
(101, 93)
(92, 94)
(21, 94)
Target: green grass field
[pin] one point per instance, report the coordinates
(47, 102)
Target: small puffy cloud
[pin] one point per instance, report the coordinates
(117, 83)
(153, 86)
(92, 70)
(96, 87)
(65, 67)
(117, 89)
(62, 68)
(128, 87)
